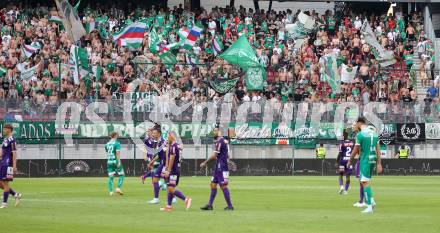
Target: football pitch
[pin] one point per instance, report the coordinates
(263, 204)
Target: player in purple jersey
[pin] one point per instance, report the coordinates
(157, 162)
(221, 172)
(345, 149)
(172, 173)
(8, 166)
(148, 156)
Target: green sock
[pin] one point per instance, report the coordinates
(120, 181)
(368, 194)
(110, 183)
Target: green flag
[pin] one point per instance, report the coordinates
(255, 78)
(223, 85)
(154, 41)
(168, 58)
(75, 8)
(3, 71)
(241, 53)
(97, 72)
(83, 58)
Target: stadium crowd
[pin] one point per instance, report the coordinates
(292, 70)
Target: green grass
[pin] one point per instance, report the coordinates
(263, 204)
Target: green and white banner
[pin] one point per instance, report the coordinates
(33, 132)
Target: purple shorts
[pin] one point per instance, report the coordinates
(6, 173)
(173, 179)
(343, 169)
(220, 177)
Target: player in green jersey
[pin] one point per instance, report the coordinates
(114, 166)
(368, 148)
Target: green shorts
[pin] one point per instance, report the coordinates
(366, 171)
(113, 169)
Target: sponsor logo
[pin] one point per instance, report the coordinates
(433, 131)
(77, 166)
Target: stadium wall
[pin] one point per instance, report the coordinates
(319, 7)
(39, 160)
(239, 167)
(96, 151)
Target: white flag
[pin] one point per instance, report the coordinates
(71, 21)
(384, 57)
(28, 73)
(348, 73)
(73, 62)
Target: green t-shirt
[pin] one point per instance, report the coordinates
(111, 148)
(331, 23)
(367, 139)
(160, 19)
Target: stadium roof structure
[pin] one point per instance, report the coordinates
(391, 1)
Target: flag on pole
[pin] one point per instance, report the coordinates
(71, 22)
(193, 36)
(97, 72)
(153, 41)
(241, 53)
(73, 62)
(28, 50)
(384, 57)
(75, 8)
(217, 46)
(131, 36)
(329, 71)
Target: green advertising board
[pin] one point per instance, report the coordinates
(33, 132)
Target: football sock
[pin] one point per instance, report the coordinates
(12, 192)
(120, 181)
(156, 189)
(179, 194)
(341, 181)
(368, 194)
(361, 193)
(170, 198)
(347, 184)
(227, 197)
(110, 183)
(212, 196)
(5, 197)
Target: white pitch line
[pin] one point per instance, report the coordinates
(80, 202)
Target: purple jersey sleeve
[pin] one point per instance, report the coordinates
(149, 146)
(9, 146)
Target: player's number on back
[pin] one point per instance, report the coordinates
(110, 151)
(348, 152)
